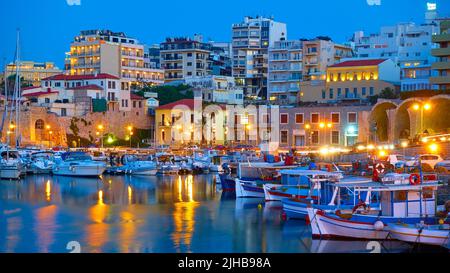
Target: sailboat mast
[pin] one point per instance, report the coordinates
(5, 111)
(17, 90)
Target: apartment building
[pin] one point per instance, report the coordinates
(354, 80)
(285, 71)
(76, 95)
(218, 89)
(185, 57)
(114, 53)
(407, 44)
(220, 58)
(442, 54)
(250, 42)
(33, 72)
(318, 54)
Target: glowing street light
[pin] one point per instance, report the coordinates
(423, 106)
(433, 147)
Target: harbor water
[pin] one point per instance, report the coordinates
(155, 214)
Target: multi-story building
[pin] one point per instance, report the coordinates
(218, 89)
(442, 54)
(104, 51)
(407, 44)
(154, 56)
(74, 95)
(180, 123)
(318, 126)
(33, 72)
(221, 58)
(320, 53)
(285, 71)
(354, 80)
(251, 40)
(185, 57)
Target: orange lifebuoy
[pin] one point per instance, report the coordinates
(414, 179)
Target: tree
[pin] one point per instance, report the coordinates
(387, 93)
(11, 84)
(169, 93)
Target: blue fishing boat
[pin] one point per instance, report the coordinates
(227, 182)
(403, 199)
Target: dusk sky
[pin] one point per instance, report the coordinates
(48, 26)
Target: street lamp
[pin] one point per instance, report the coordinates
(130, 131)
(101, 128)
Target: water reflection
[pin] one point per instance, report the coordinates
(144, 214)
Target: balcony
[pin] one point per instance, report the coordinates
(440, 52)
(441, 66)
(440, 80)
(440, 38)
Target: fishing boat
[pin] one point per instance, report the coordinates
(252, 177)
(406, 202)
(421, 233)
(317, 189)
(78, 164)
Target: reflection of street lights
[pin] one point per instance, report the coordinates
(421, 107)
(48, 127)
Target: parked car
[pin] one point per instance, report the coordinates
(429, 159)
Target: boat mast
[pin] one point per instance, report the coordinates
(17, 90)
(5, 111)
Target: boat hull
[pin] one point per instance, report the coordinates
(248, 189)
(228, 184)
(326, 225)
(79, 170)
(10, 173)
(413, 234)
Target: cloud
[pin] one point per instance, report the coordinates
(73, 2)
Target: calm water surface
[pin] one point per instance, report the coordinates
(150, 214)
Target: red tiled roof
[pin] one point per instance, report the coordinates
(87, 87)
(40, 93)
(187, 102)
(136, 97)
(62, 77)
(359, 63)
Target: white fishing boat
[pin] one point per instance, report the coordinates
(420, 233)
(407, 203)
(78, 164)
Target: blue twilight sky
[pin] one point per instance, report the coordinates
(48, 26)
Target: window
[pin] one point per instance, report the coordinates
(299, 118)
(315, 118)
(192, 118)
(140, 104)
(163, 136)
(47, 100)
(347, 92)
(284, 118)
(324, 94)
(363, 91)
(284, 137)
(339, 92)
(352, 118)
(39, 124)
(315, 137)
(189, 64)
(63, 112)
(355, 92)
(371, 91)
(335, 137)
(331, 93)
(189, 54)
(265, 118)
(134, 104)
(335, 117)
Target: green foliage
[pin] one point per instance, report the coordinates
(74, 127)
(387, 93)
(168, 93)
(423, 93)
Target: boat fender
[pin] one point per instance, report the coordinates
(414, 179)
(378, 225)
(360, 204)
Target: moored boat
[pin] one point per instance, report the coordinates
(78, 164)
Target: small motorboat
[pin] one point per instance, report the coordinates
(78, 164)
(11, 166)
(420, 233)
(42, 162)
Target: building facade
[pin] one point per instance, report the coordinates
(353, 80)
(33, 72)
(218, 89)
(185, 57)
(442, 54)
(250, 42)
(285, 71)
(407, 44)
(104, 51)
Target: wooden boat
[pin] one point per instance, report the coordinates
(399, 203)
(438, 235)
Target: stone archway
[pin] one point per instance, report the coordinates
(380, 120)
(406, 126)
